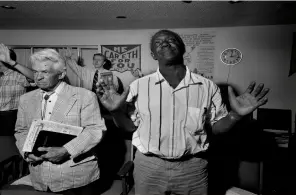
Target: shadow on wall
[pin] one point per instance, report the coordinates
(234, 157)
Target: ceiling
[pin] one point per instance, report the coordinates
(101, 15)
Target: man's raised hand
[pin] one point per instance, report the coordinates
(108, 96)
(249, 101)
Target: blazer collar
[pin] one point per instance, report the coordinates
(65, 101)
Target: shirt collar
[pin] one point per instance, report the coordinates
(187, 80)
(159, 77)
(57, 90)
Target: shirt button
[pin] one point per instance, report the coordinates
(49, 113)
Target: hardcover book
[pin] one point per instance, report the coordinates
(43, 133)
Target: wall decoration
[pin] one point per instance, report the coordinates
(231, 56)
(200, 52)
(124, 58)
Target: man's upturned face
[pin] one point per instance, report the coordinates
(165, 46)
(45, 76)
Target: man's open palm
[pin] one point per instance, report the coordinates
(108, 96)
(4, 53)
(249, 101)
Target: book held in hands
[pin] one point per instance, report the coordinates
(43, 133)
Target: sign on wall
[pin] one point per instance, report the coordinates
(124, 58)
(200, 52)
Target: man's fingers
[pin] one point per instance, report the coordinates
(43, 149)
(258, 90)
(262, 102)
(103, 84)
(262, 93)
(125, 93)
(2, 57)
(37, 158)
(99, 91)
(44, 156)
(111, 86)
(33, 158)
(251, 87)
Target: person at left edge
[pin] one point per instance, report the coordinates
(12, 85)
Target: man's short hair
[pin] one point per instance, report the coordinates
(99, 54)
(12, 55)
(176, 35)
(49, 55)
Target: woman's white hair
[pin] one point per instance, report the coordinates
(49, 55)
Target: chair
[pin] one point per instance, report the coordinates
(12, 166)
(12, 169)
(275, 119)
(123, 182)
(115, 156)
(9, 160)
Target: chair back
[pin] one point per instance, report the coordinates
(275, 119)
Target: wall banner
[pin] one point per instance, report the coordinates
(123, 57)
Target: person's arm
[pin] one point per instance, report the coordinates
(5, 57)
(122, 119)
(21, 126)
(226, 123)
(22, 69)
(240, 106)
(21, 132)
(77, 75)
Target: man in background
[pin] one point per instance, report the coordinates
(12, 86)
(72, 168)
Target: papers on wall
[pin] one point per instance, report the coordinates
(200, 52)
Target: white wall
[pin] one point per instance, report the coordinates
(266, 53)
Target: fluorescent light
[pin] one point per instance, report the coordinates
(8, 7)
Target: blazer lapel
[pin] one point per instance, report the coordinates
(64, 103)
(37, 101)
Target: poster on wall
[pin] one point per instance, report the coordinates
(200, 52)
(124, 58)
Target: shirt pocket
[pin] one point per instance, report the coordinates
(194, 122)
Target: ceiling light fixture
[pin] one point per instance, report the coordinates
(234, 1)
(121, 17)
(187, 1)
(8, 7)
